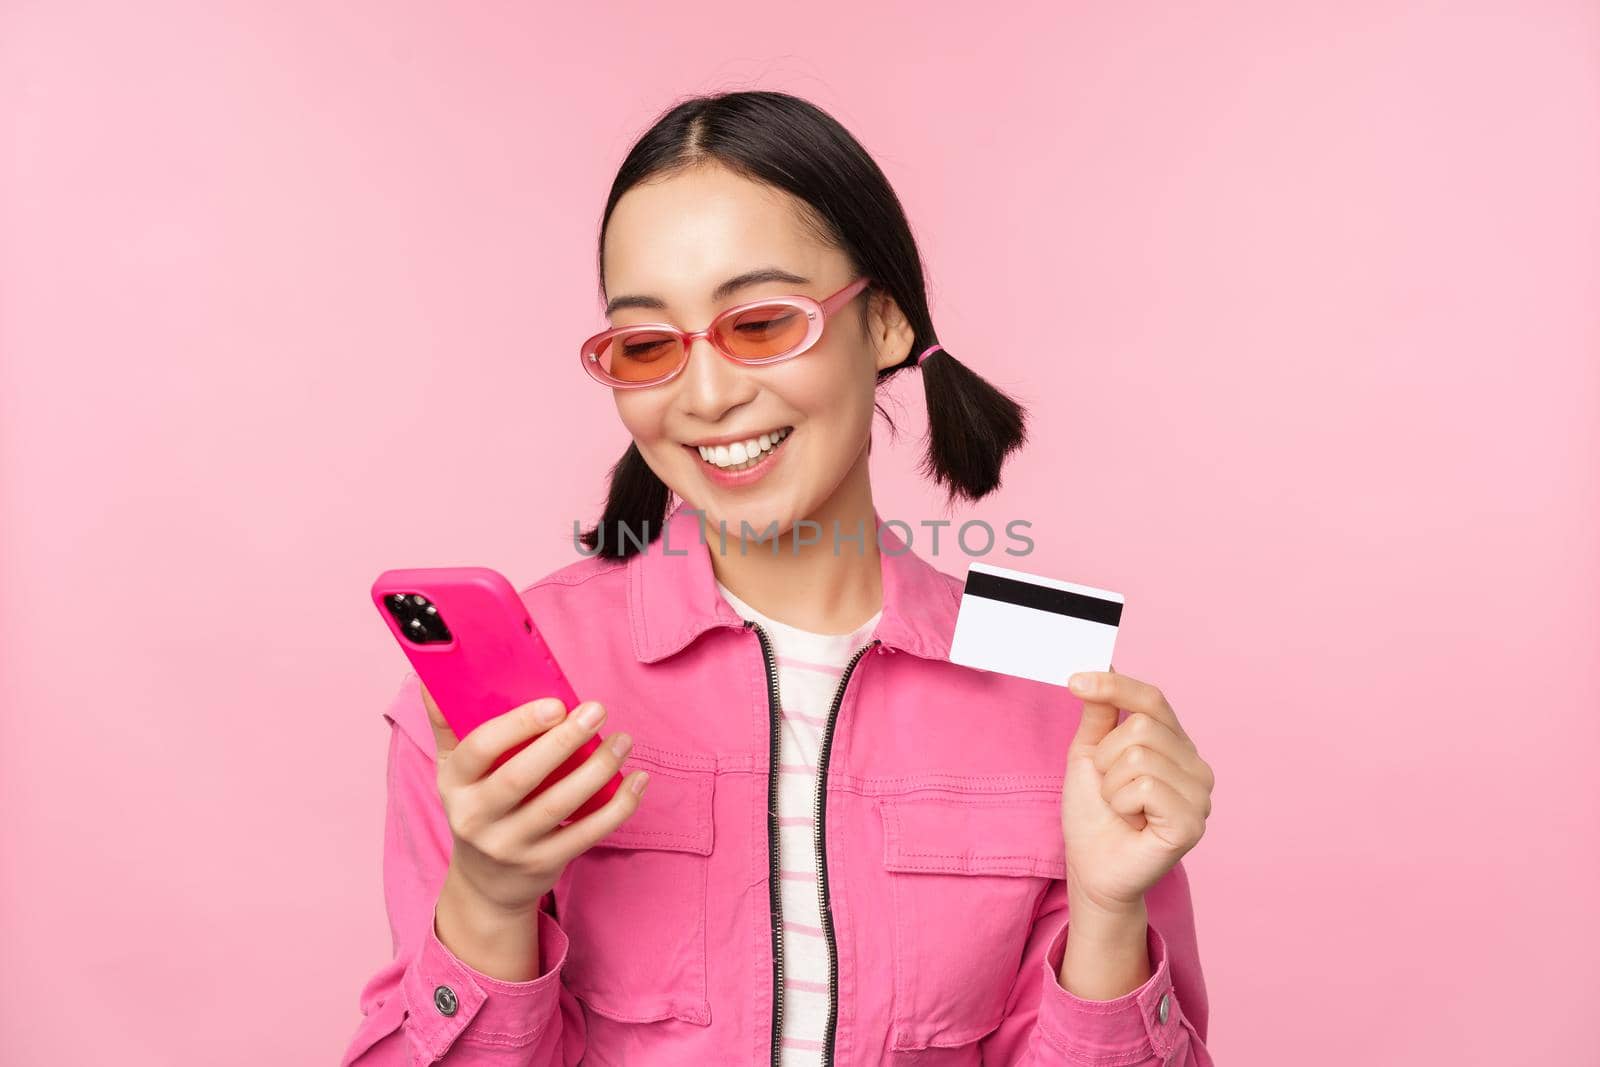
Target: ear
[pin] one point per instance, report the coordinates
(888, 330)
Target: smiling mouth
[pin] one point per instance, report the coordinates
(743, 455)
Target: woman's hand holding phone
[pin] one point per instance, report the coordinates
(509, 854)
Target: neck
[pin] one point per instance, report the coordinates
(830, 585)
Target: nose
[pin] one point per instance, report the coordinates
(711, 384)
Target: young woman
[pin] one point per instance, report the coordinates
(850, 850)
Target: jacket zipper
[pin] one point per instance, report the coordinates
(774, 880)
(822, 855)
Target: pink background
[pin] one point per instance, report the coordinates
(1303, 298)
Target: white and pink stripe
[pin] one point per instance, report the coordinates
(809, 668)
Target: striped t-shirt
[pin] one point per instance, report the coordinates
(810, 666)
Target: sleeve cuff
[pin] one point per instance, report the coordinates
(1144, 1020)
(487, 1010)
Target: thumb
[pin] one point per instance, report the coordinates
(444, 738)
(1097, 721)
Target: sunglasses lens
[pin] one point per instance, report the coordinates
(763, 332)
(641, 357)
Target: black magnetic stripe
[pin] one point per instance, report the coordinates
(1043, 597)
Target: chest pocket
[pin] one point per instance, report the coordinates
(966, 873)
(634, 905)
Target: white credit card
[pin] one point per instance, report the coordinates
(1034, 627)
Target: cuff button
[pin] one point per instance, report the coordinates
(1164, 1008)
(444, 998)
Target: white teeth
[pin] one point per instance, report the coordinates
(742, 454)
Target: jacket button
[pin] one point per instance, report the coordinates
(1165, 1007)
(444, 998)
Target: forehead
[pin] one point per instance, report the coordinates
(677, 238)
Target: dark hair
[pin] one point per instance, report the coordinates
(791, 144)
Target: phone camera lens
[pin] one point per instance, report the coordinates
(418, 618)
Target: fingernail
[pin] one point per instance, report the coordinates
(549, 711)
(589, 716)
(619, 744)
(1078, 683)
(638, 783)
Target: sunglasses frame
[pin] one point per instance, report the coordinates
(817, 314)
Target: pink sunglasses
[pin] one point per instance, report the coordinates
(755, 334)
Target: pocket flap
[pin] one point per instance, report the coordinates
(990, 833)
(675, 812)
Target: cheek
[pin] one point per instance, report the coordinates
(847, 410)
(642, 416)
(829, 390)
(645, 418)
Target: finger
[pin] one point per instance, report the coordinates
(1173, 819)
(542, 814)
(580, 835)
(1128, 693)
(487, 741)
(444, 738)
(1138, 760)
(505, 787)
(1095, 722)
(1141, 729)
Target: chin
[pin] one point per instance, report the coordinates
(758, 518)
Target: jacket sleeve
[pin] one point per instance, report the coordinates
(1163, 1022)
(425, 1006)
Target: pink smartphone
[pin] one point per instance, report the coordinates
(475, 647)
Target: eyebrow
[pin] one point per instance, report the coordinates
(718, 295)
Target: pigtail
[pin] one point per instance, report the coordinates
(635, 511)
(972, 427)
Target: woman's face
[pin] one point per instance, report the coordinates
(675, 240)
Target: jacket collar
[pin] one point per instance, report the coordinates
(673, 596)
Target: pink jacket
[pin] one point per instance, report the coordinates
(940, 854)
